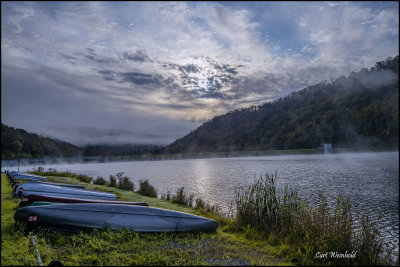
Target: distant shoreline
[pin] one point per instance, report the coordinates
(201, 155)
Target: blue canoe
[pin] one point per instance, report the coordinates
(25, 201)
(27, 176)
(60, 191)
(77, 186)
(114, 216)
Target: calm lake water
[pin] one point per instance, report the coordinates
(370, 180)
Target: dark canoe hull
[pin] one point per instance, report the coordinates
(59, 191)
(115, 216)
(32, 198)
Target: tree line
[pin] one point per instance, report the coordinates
(17, 143)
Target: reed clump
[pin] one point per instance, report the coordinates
(312, 230)
(146, 189)
(180, 197)
(112, 182)
(100, 181)
(125, 183)
(120, 181)
(166, 196)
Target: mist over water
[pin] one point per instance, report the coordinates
(370, 180)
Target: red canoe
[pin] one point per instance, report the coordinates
(32, 198)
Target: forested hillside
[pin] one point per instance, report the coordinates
(361, 110)
(17, 143)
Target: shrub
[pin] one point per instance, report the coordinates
(199, 204)
(146, 189)
(166, 196)
(100, 181)
(179, 197)
(113, 181)
(125, 183)
(189, 200)
(84, 178)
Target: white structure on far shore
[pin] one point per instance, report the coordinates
(328, 148)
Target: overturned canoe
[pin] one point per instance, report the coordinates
(77, 186)
(28, 177)
(114, 216)
(30, 188)
(24, 173)
(25, 201)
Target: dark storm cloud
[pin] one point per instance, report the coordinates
(108, 75)
(101, 60)
(226, 68)
(93, 56)
(154, 81)
(138, 78)
(137, 56)
(69, 57)
(211, 93)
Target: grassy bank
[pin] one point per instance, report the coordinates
(271, 227)
(129, 248)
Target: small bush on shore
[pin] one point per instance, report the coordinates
(112, 181)
(166, 196)
(199, 204)
(181, 198)
(125, 183)
(146, 189)
(100, 181)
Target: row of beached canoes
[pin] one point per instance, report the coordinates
(72, 207)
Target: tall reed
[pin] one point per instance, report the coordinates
(264, 207)
(312, 230)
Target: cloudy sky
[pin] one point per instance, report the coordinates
(150, 72)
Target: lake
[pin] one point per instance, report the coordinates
(370, 180)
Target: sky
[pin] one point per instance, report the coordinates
(151, 72)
